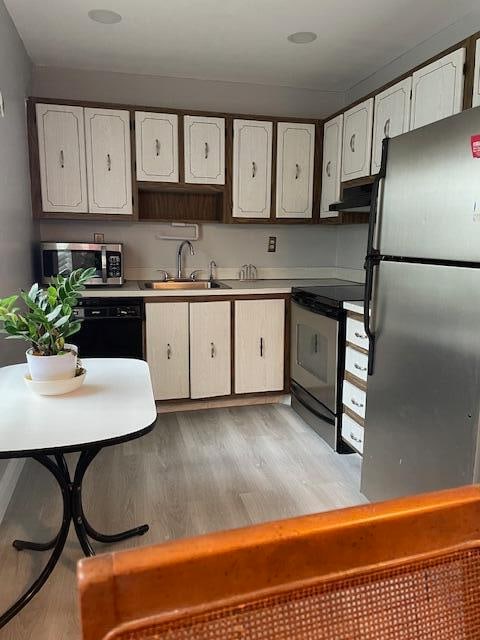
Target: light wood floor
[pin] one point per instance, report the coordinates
(196, 472)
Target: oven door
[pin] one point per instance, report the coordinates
(314, 355)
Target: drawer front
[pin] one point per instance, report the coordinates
(356, 363)
(352, 433)
(356, 333)
(354, 398)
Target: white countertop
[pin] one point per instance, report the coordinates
(354, 305)
(131, 288)
(115, 401)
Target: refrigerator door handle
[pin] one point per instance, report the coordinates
(373, 258)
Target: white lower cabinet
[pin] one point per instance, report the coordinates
(210, 349)
(352, 432)
(259, 345)
(167, 337)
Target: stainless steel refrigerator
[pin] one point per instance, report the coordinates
(423, 291)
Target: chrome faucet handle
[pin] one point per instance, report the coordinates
(193, 275)
(165, 274)
(211, 267)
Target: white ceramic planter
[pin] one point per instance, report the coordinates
(45, 368)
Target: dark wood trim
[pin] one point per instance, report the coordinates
(351, 414)
(357, 348)
(231, 396)
(357, 382)
(34, 161)
(354, 315)
(469, 84)
(218, 298)
(176, 187)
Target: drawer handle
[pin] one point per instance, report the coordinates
(157, 147)
(360, 335)
(169, 352)
(357, 366)
(297, 171)
(109, 162)
(354, 438)
(212, 350)
(62, 159)
(262, 347)
(356, 404)
(328, 169)
(352, 143)
(206, 150)
(254, 169)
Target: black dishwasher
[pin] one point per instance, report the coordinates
(111, 328)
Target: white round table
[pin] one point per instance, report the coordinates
(114, 405)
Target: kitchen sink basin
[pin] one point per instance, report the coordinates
(168, 285)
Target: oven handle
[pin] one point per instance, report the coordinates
(328, 313)
(296, 391)
(104, 263)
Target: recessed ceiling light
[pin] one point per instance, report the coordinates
(104, 16)
(302, 37)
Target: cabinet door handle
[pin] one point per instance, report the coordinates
(254, 169)
(357, 366)
(206, 150)
(386, 128)
(109, 162)
(356, 404)
(352, 143)
(262, 347)
(62, 159)
(157, 147)
(328, 169)
(297, 171)
(212, 350)
(362, 336)
(354, 438)
(169, 352)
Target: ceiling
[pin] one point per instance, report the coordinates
(233, 40)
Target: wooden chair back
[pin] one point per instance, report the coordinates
(402, 569)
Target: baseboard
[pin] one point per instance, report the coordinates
(8, 483)
(221, 403)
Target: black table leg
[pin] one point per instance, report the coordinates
(82, 527)
(58, 545)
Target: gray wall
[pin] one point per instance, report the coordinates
(351, 246)
(15, 209)
(184, 93)
(462, 29)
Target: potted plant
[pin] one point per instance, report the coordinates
(46, 324)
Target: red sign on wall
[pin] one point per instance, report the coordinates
(475, 140)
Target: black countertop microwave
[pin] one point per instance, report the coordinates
(64, 257)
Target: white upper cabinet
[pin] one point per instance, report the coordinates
(295, 157)
(331, 166)
(476, 82)
(61, 146)
(252, 168)
(357, 141)
(109, 168)
(437, 90)
(156, 136)
(391, 117)
(204, 148)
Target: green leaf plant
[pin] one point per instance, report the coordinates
(48, 319)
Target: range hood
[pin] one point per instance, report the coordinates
(355, 199)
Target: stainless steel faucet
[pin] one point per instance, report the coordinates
(179, 256)
(211, 267)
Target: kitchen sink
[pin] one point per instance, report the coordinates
(168, 285)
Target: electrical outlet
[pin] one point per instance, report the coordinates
(272, 244)
(99, 238)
